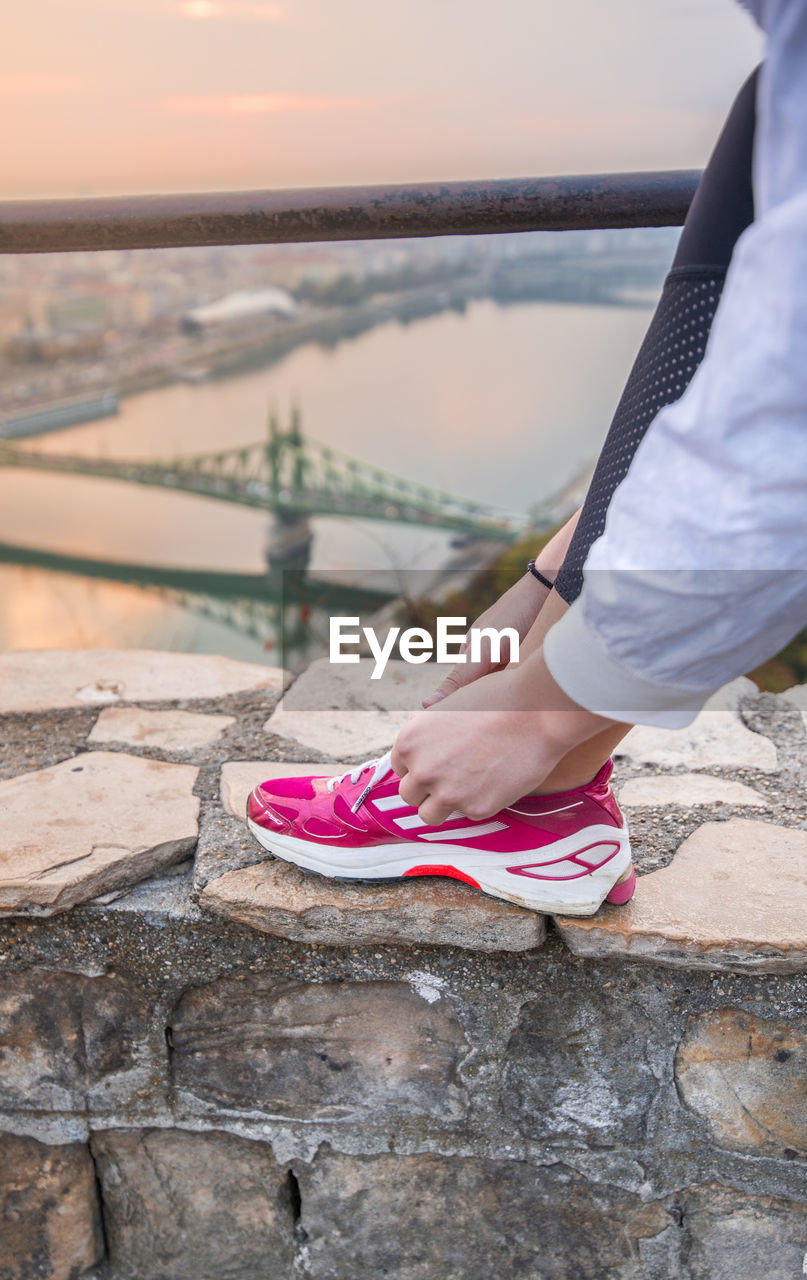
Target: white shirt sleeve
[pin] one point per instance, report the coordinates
(701, 573)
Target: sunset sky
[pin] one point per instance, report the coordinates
(136, 95)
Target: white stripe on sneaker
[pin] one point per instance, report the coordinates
(410, 820)
(466, 833)
(544, 813)
(385, 803)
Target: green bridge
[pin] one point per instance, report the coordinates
(279, 588)
(293, 477)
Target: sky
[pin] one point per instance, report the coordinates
(122, 96)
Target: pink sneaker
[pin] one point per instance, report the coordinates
(564, 853)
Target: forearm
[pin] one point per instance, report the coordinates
(699, 575)
(551, 556)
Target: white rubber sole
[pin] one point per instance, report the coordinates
(581, 896)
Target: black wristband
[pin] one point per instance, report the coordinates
(536, 573)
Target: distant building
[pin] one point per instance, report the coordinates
(43, 346)
(141, 311)
(78, 313)
(239, 308)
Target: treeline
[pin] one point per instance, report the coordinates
(348, 289)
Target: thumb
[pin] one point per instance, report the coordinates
(459, 676)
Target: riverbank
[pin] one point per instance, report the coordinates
(164, 360)
(160, 363)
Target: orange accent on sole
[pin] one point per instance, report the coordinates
(428, 870)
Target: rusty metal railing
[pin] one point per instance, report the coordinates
(347, 213)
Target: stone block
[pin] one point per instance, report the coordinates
(319, 1050)
(686, 790)
(341, 712)
(734, 897)
(797, 697)
(193, 1206)
(351, 687)
(746, 1076)
(46, 679)
(430, 1217)
(567, 1072)
(356, 735)
(68, 1042)
(735, 1235)
(239, 777)
(177, 731)
(49, 1221)
(166, 897)
(101, 821)
(277, 897)
(716, 739)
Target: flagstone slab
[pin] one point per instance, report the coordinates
(239, 777)
(734, 897)
(179, 731)
(686, 790)
(97, 822)
(339, 710)
(355, 734)
(49, 679)
(797, 697)
(278, 898)
(716, 739)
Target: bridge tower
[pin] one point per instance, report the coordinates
(290, 535)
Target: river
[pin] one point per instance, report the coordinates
(501, 404)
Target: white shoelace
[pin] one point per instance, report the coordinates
(380, 768)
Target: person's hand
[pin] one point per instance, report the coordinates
(517, 608)
(490, 743)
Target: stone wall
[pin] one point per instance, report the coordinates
(234, 1072)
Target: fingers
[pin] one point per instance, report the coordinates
(412, 792)
(454, 680)
(437, 798)
(396, 759)
(417, 793)
(431, 809)
(486, 659)
(457, 678)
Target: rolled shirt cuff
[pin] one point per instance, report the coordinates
(578, 662)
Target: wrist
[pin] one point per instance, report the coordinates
(537, 573)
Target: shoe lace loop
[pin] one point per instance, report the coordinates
(380, 767)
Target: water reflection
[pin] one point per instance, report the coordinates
(491, 405)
